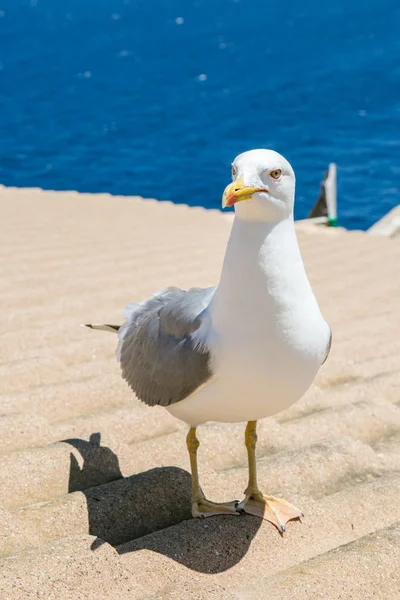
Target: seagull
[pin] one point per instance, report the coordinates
(241, 351)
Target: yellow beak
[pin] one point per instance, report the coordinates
(236, 192)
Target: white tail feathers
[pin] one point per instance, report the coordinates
(102, 327)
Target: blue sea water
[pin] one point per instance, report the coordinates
(156, 97)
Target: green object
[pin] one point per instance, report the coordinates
(333, 222)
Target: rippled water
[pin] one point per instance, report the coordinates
(156, 97)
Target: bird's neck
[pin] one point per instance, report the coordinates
(262, 266)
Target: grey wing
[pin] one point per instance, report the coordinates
(159, 356)
(328, 348)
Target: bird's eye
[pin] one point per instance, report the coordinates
(234, 172)
(276, 173)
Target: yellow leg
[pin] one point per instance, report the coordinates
(192, 445)
(250, 439)
(201, 507)
(275, 510)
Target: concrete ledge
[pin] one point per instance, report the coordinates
(389, 225)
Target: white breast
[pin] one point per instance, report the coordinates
(267, 335)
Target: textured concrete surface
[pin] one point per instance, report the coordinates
(94, 486)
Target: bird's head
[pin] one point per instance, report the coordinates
(262, 188)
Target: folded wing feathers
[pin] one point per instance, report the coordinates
(158, 357)
(162, 346)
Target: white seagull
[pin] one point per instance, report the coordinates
(244, 350)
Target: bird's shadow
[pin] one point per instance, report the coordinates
(151, 510)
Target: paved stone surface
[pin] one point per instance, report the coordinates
(94, 486)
